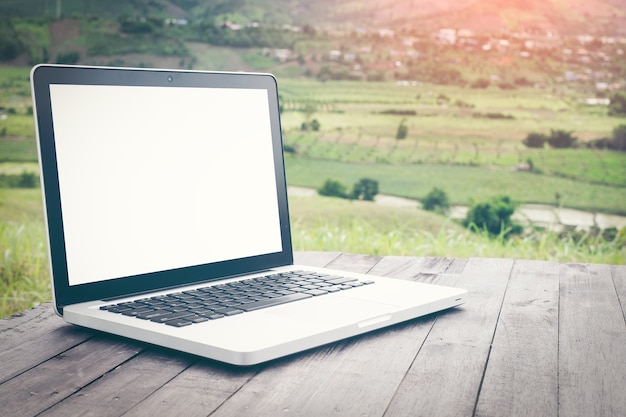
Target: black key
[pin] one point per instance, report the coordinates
(172, 316)
(315, 292)
(340, 280)
(137, 311)
(153, 314)
(178, 322)
(274, 301)
(228, 311)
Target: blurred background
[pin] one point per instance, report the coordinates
(456, 128)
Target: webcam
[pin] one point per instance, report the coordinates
(170, 78)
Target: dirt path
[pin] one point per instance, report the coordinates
(538, 214)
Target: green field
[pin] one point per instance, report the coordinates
(467, 142)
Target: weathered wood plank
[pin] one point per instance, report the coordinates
(197, 391)
(354, 377)
(33, 337)
(54, 380)
(521, 377)
(445, 378)
(619, 280)
(405, 267)
(313, 258)
(592, 343)
(354, 263)
(119, 390)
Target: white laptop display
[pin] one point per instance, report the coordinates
(167, 218)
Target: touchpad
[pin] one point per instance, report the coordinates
(334, 310)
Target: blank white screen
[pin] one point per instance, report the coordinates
(155, 178)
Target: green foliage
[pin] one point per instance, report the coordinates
(493, 216)
(10, 44)
(436, 200)
(561, 139)
(71, 57)
(23, 180)
(333, 188)
(535, 140)
(134, 26)
(616, 142)
(313, 125)
(24, 276)
(402, 131)
(617, 106)
(365, 189)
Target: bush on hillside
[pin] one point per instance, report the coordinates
(436, 200)
(402, 131)
(365, 189)
(333, 188)
(493, 216)
(617, 106)
(617, 142)
(535, 140)
(561, 139)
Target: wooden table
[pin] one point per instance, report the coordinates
(534, 338)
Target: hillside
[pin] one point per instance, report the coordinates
(599, 17)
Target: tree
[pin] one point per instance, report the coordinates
(618, 142)
(333, 188)
(366, 189)
(493, 216)
(561, 139)
(436, 200)
(535, 140)
(617, 106)
(403, 130)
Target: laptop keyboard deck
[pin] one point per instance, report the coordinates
(217, 301)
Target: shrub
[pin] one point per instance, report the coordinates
(68, 57)
(366, 189)
(618, 142)
(561, 139)
(402, 131)
(493, 216)
(535, 140)
(481, 83)
(436, 200)
(333, 188)
(312, 125)
(23, 180)
(617, 106)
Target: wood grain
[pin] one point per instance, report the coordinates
(63, 375)
(445, 378)
(36, 334)
(534, 338)
(618, 272)
(521, 377)
(592, 341)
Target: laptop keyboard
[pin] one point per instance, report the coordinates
(222, 300)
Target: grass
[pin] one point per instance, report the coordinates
(461, 183)
(447, 147)
(329, 224)
(318, 223)
(24, 272)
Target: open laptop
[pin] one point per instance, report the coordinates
(167, 218)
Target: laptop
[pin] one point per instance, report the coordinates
(167, 218)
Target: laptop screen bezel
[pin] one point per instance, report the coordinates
(42, 77)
